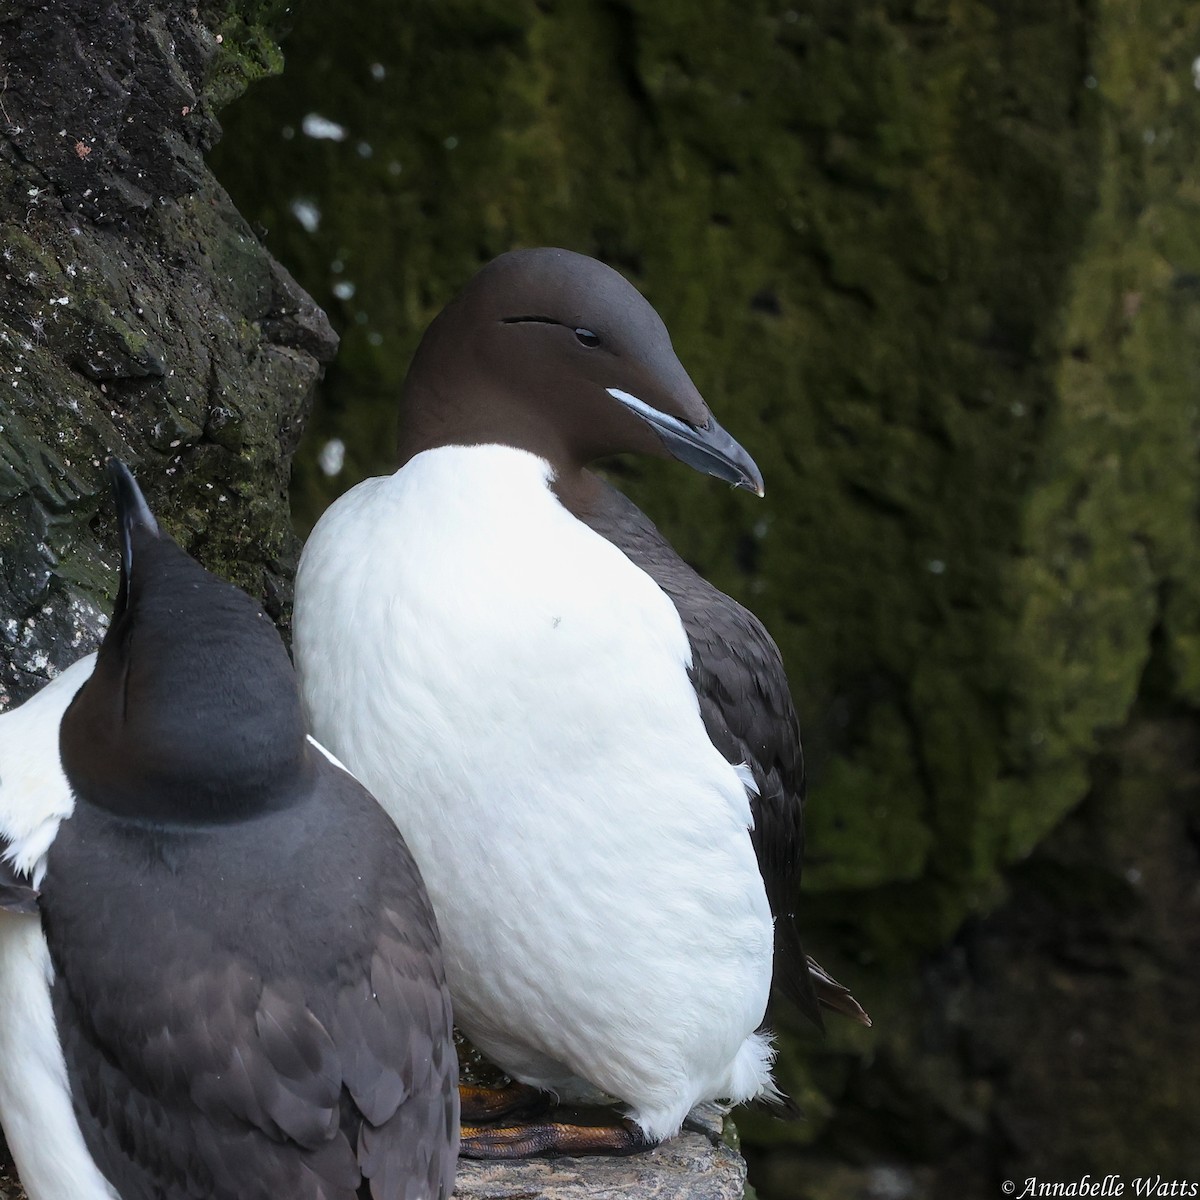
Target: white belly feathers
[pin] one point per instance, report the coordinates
(515, 692)
(39, 1124)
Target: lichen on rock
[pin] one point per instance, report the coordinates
(139, 316)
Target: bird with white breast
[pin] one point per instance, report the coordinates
(590, 750)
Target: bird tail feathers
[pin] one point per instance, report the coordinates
(834, 995)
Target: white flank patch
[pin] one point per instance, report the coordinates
(515, 692)
(35, 1098)
(34, 793)
(747, 777)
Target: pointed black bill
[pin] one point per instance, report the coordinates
(132, 513)
(707, 448)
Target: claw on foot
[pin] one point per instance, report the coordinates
(553, 1138)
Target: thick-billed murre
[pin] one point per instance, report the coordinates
(591, 751)
(220, 974)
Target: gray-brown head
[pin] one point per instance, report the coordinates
(192, 712)
(556, 353)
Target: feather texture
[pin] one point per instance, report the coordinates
(516, 693)
(236, 1048)
(747, 708)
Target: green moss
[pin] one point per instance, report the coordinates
(871, 837)
(246, 35)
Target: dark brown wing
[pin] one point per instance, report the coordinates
(747, 709)
(748, 713)
(276, 1026)
(405, 1087)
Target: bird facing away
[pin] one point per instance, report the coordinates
(591, 751)
(220, 971)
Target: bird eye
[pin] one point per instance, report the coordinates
(587, 338)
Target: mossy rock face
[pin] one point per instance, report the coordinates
(139, 316)
(935, 265)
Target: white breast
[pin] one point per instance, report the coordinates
(35, 1098)
(34, 794)
(515, 692)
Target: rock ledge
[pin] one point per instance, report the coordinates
(689, 1167)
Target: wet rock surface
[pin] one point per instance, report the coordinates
(139, 316)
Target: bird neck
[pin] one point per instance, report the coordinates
(580, 491)
(458, 411)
